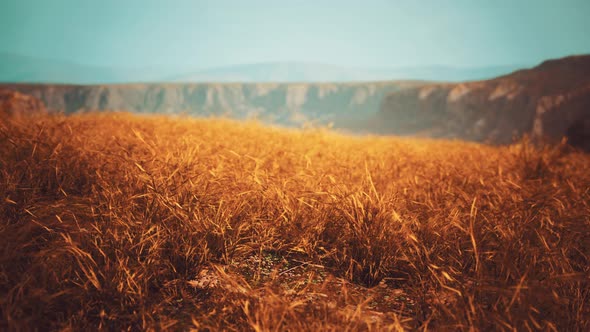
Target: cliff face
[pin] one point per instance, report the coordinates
(289, 103)
(549, 101)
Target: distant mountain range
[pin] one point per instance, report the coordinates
(295, 72)
(24, 69)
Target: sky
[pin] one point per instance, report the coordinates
(368, 33)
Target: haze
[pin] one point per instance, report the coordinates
(209, 34)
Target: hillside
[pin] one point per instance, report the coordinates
(14, 104)
(113, 221)
(549, 101)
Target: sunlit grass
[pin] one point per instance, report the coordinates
(115, 221)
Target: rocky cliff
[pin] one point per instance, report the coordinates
(15, 104)
(549, 101)
(288, 103)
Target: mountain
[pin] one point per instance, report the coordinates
(295, 72)
(24, 69)
(547, 102)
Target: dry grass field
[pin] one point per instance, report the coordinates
(122, 222)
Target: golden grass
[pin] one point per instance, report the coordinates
(116, 222)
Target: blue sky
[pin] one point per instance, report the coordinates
(368, 33)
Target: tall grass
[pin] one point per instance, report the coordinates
(117, 222)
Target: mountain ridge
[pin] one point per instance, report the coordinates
(547, 102)
(316, 72)
(551, 100)
(26, 69)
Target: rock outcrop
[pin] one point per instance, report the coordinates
(16, 104)
(547, 102)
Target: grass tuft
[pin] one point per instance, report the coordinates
(123, 222)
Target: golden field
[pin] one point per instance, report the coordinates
(122, 222)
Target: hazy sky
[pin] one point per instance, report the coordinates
(363, 33)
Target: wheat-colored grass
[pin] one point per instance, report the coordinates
(118, 222)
